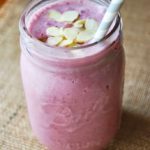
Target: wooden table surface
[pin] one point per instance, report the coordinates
(15, 131)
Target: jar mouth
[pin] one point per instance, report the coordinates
(24, 30)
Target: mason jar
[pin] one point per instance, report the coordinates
(73, 95)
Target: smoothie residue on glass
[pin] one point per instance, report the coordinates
(67, 23)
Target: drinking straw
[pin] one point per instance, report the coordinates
(107, 20)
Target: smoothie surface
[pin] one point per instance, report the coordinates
(40, 21)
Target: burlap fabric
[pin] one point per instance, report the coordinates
(15, 131)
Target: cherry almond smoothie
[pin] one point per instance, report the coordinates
(73, 87)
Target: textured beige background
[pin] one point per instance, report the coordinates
(15, 132)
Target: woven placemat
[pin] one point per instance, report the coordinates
(15, 131)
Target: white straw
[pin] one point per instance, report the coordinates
(107, 20)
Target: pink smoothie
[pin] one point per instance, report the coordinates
(41, 21)
(73, 103)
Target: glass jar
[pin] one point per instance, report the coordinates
(74, 95)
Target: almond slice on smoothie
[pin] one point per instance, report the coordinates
(84, 36)
(91, 25)
(53, 31)
(53, 14)
(70, 33)
(66, 43)
(79, 23)
(69, 16)
(53, 41)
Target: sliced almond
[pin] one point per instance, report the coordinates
(53, 41)
(61, 32)
(53, 31)
(69, 16)
(66, 43)
(70, 33)
(79, 23)
(91, 25)
(55, 15)
(84, 36)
